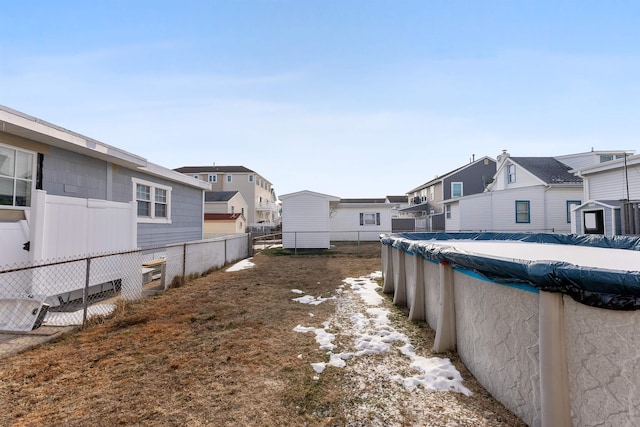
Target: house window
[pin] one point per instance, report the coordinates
(161, 203)
(153, 200)
(143, 198)
(448, 211)
(16, 177)
(570, 205)
(523, 213)
(233, 209)
(511, 174)
(250, 178)
(432, 192)
(456, 189)
(196, 176)
(369, 218)
(228, 178)
(213, 178)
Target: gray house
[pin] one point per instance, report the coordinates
(425, 201)
(63, 194)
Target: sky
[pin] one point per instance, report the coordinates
(350, 98)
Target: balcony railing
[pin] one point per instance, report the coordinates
(267, 206)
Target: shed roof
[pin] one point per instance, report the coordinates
(219, 196)
(221, 216)
(362, 200)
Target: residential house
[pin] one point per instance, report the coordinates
(360, 219)
(258, 192)
(526, 194)
(63, 194)
(425, 201)
(397, 204)
(611, 197)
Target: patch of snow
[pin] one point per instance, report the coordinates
(373, 334)
(57, 318)
(297, 291)
(308, 299)
(241, 265)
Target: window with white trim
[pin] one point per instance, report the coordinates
(153, 200)
(228, 178)
(369, 218)
(16, 176)
(511, 174)
(250, 178)
(456, 189)
(432, 192)
(448, 211)
(213, 177)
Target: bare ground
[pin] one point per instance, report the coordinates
(220, 351)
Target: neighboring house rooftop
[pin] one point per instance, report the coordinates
(548, 169)
(221, 216)
(223, 169)
(219, 196)
(362, 200)
(398, 199)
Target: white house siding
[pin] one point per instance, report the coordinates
(453, 223)
(524, 178)
(305, 220)
(610, 185)
(556, 204)
(474, 213)
(345, 222)
(504, 209)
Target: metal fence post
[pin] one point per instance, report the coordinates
(184, 260)
(85, 293)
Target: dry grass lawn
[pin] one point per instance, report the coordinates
(217, 351)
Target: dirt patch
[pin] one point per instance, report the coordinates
(221, 350)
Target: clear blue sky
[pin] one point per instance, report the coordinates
(348, 98)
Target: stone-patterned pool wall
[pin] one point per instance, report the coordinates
(549, 359)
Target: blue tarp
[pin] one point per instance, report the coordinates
(611, 289)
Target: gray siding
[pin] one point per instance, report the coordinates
(471, 177)
(70, 174)
(186, 210)
(65, 173)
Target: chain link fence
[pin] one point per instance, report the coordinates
(36, 299)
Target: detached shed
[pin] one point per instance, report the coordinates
(219, 224)
(305, 220)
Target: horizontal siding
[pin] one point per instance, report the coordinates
(475, 214)
(610, 185)
(504, 209)
(305, 222)
(556, 205)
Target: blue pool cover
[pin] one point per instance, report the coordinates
(597, 287)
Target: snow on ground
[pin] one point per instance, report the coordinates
(373, 334)
(241, 265)
(75, 317)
